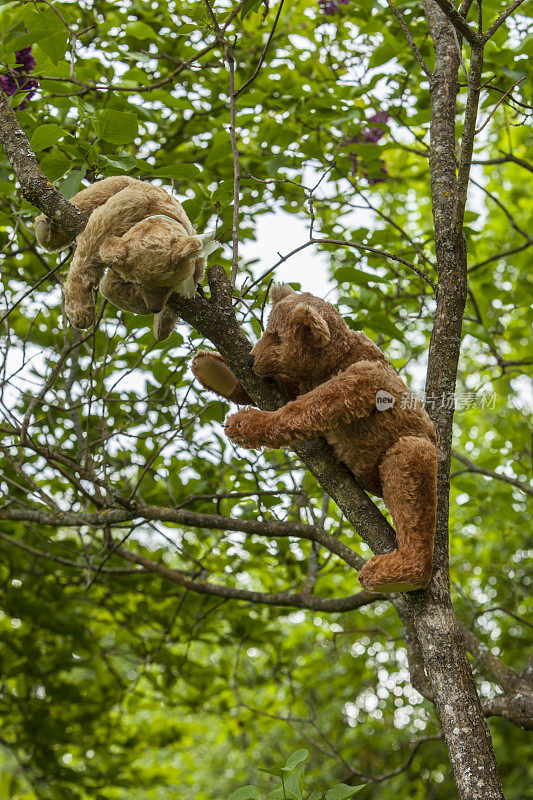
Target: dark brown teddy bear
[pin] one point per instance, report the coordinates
(337, 376)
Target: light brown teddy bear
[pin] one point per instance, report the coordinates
(346, 391)
(145, 239)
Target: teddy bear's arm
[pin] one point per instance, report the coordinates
(352, 394)
(50, 236)
(116, 215)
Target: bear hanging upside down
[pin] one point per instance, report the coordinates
(345, 390)
(143, 237)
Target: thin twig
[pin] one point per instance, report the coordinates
(501, 19)
(263, 54)
(342, 243)
(416, 52)
(502, 98)
(230, 56)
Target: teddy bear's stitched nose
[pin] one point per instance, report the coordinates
(250, 360)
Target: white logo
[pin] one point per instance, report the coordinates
(384, 400)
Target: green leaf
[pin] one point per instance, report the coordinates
(292, 785)
(178, 171)
(341, 791)
(45, 136)
(382, 324)
(140, 30)
(70, 186)
(124, 163)
(54, 164)
(296, 758)
(276, 794)
(315, 796)
(246, 793)
(353, 276)
(117, 127)
(249, 6)
(47, 30)
(275, 770)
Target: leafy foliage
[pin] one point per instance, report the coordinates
(291, 777)
(115, 682)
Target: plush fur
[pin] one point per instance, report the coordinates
(391, 452)
(148, 256)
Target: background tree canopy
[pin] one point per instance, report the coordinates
(122, 679)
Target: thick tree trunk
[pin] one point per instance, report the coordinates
(446, 664)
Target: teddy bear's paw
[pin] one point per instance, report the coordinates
(210, 369)
(49, 236)
(393, 572)
(213, 373)
(247, 428)
(186, 288)
(80, 316)
(164, 324)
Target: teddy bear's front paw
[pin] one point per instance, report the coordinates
(247, 428)
(80, 316)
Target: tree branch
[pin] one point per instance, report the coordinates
(117, 516)
(414, 49)
(230, 57)
(458, 21)
(501, 19)
(515, 708)
(272, 599)
(468, 134)
(472, 467)
(509, 681)
(504, 159)
(67, 562)
(36, 188)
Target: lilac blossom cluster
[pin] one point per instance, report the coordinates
(330, 7)
(373, 135)
(17, 80)
(370, 136)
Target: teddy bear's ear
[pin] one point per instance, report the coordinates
(311, 324)
(185, 247)
(280, 291)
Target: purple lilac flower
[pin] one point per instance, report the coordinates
(17, 81)
(25, 59)
(373, 135)
(9, 84)
(330, 7)
(369, 136)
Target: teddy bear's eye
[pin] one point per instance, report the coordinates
(277, 338)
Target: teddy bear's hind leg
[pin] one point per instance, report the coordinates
(79, 300)
(164, 324)
(210, 369)
(155, 297)
(408, 474)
